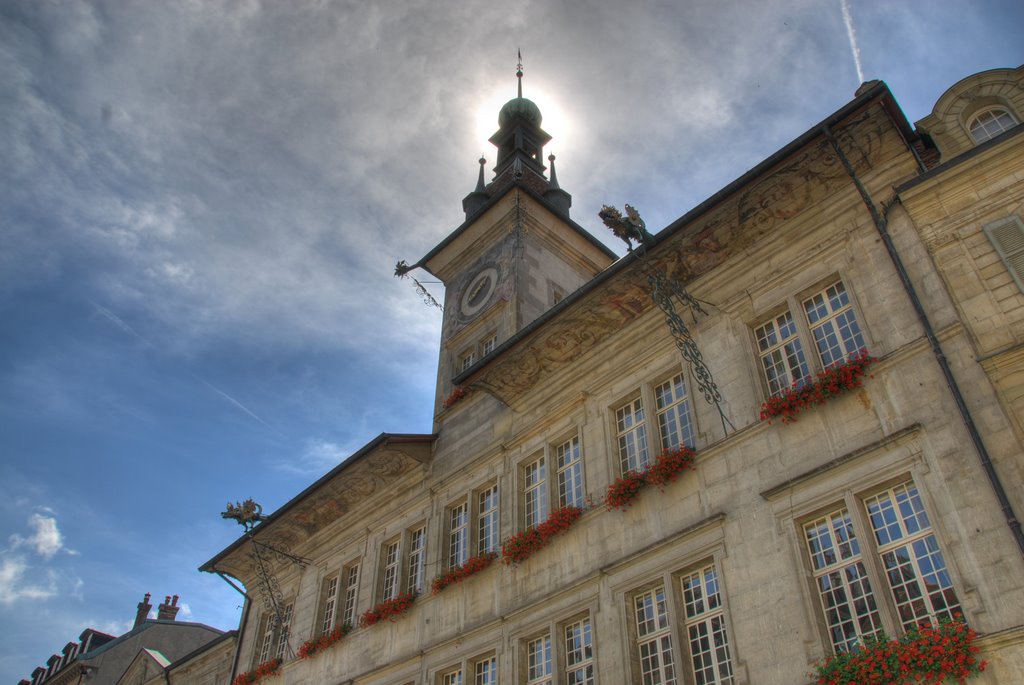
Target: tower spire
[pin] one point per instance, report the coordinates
(519, 71)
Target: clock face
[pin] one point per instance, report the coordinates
(478, 293)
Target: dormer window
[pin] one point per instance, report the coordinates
(990, 124)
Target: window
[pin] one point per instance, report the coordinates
(328, 604)
(266, 643)
(991, 123)
(538, 660)
(912, 566)
(705, 627)
(466, 360)
(487, 521)
(673, 407)
(579, 653)
(348, 615)
(417, 559)
(831, 325)
(282, 632)
(654, 639)
(488, 344)
(535, 493)
(782, 356)
(632, 435)
(453, 677)
(485, 671)
(570, 473)
(458, 535)
(390, 580)
(1007, 236)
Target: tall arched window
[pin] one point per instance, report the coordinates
(991, 123)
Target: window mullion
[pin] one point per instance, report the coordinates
(872, 561)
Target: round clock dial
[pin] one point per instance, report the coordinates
(478, 293)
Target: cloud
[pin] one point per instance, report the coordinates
(15, 587)
(318, 457)
(46, 539)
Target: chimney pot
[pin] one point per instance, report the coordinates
(143, 611)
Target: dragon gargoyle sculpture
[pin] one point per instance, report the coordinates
(247, 513)
(629, 228)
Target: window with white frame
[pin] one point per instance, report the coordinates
(535, 492)
(831, 326)
(1007, 236)
(485, 671)
(991, 123)
(569, 464)
(705, 627)
(488, 344)
(782, 356)
(458, 534)
(579, 652)
(913, 569)
(283, 631)
(451, 677)
(673, 405)
(267, 639)
(488, 533)
(390, 581)
(329, 603)
(631, 432)
(348, 614)
(539, 667)
(417, 559)
(466, 360)
(654, 637)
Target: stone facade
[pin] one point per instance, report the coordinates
(735, 569)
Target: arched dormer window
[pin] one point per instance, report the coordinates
(990, 123)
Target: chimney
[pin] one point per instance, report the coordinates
(143, 612)
(168, 610)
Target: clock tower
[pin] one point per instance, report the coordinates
(515, 256)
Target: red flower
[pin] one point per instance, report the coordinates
(390, 609)
(312, 647)
(665, 469)
(460, 573)
(832, 382)
(458, 392)
(521, 545)
(264, 670)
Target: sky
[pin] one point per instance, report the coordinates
(202, 203)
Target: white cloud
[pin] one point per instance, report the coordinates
(14, 585)
(46, 539)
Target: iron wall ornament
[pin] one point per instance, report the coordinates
(632, 228)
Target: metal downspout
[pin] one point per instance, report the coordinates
(246, 603)
(965, 414)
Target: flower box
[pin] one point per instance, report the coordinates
(458, 574)
(267, 669)
(389, 609)
(665, 469)
(832, 382)
(312, 647)
(925, 654)
(520, 546)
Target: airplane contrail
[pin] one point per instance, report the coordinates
(852, 35)
(120, 323)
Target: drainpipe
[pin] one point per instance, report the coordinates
(965, 414)
(246, 604)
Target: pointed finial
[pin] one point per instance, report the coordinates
(553, 183)
(519, 72)
(480, 188)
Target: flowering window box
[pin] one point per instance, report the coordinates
(832, 382)
(457, 393)
(267, 669)
(390, 610)
(520, 546)
(925, 654)
(665, 469)
(458, 574)
(310, 648)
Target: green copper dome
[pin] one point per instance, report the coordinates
(521, 106)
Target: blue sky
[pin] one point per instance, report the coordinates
(202, 203)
